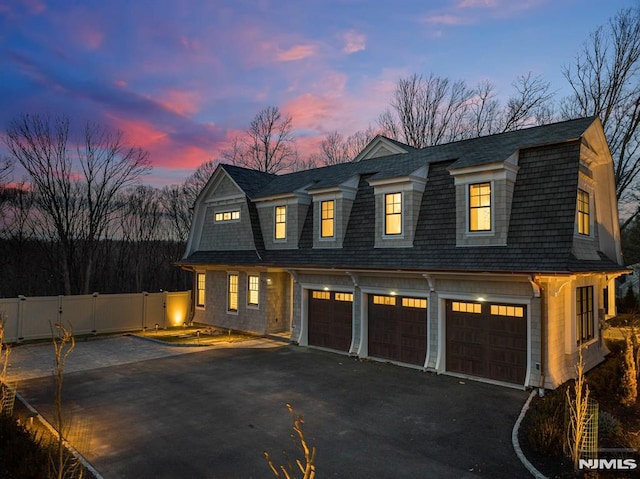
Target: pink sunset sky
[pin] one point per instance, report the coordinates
(181, 78)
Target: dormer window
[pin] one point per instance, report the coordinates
(227, 216)
(480, 207)
(583, 213)
(281, 223)
(327, 219)
(393, 214)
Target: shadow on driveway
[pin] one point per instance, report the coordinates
(211, 414)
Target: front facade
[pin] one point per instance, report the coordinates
(493, 258)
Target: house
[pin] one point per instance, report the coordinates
(491, 258)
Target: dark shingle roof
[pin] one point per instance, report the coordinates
(541, 226)
(251, 181)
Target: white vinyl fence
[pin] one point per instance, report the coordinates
(31, 318)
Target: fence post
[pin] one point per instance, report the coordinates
(94, 327)
(20, 318)
(60, 298)
(145, 295)
(164, 310)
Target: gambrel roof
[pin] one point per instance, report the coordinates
(541, 228)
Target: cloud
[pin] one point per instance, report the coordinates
(353, 42)
(299, 52)
(183, 103)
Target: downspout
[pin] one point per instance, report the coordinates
(538, 292)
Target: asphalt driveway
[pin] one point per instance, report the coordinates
(212, 413)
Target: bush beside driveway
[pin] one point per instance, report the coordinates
(211, 414)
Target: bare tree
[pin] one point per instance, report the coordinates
(268, 144)
(529, 105)
(427, 110)
(76, 196)
(434, 110)
(355, 143)
(140, 223)
(334, 149)
(605, 79)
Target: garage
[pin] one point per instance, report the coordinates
(397, 328)
(329, 318)
(487, 340)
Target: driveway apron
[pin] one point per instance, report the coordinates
(212, 414)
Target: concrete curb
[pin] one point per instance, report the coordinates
(167, 343)
(53, 431)
(516, 444)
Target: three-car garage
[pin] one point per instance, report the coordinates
(481, 339)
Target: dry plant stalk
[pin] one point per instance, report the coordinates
(63, 344)
(5, 350)
(578, 415)
(308, 469)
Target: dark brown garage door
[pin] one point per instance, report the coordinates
(487, 340)
(398, 328)
(329, 318)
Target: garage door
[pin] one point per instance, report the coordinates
(398, 328)
(329, 318)
(487, 340)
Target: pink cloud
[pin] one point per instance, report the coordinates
(353, 42)
(181, 102)
(299, 52)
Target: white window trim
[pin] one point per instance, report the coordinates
(233, 311)
(237, 220)
(252, 305)
(587, 185)
(468, 231)
(384, 216)
(327, 238)
(204, 304)
(275, 223)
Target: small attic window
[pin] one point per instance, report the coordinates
(227, 216)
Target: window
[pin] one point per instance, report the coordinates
(393, 214)
(348, 297)
(414, 303)
(321, 295)
(227, 215)
(466, 307)
(281, 222)
(200, 289)
(326, 218)
(232, 293)
(583, 213)
(584, 314)
(513, 311)
(480, 207)
(253, 290)
(387, 300)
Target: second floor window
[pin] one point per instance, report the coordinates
(480, 207)
(227, 215)
(327, 217)
(583, 213)
(393, 214)
(281, 222)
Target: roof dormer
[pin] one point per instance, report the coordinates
(484, 194)
(397, 205)
(331, 210)
(282, 218)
